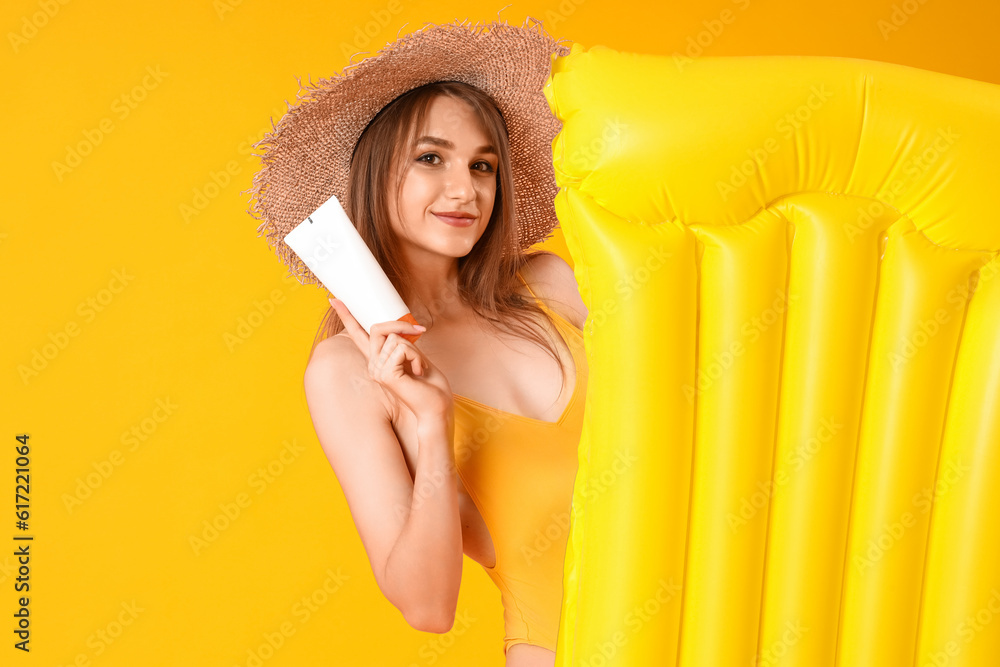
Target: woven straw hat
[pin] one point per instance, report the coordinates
(306, 158)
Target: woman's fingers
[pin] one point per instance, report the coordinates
(409, 376)
(392, 355)
(380, 333)
(380, 347)
(376, 363)
(396, 353)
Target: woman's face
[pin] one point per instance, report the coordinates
(451, 169)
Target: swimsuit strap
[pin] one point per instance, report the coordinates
(525, 283)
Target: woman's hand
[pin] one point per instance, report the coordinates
(397, 364)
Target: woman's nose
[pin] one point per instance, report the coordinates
(459, 183)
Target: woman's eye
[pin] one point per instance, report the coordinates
(482, 165)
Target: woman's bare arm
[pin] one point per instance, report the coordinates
(413, 541)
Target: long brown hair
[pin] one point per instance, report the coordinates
(487, 277)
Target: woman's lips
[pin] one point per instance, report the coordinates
(456, 222)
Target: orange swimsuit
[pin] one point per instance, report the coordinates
(519, 472)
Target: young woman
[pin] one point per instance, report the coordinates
(466, 440)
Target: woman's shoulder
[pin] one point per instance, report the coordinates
(337, 350)
(553, 281)
(335, 360)
(337, 368)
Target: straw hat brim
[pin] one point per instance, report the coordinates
(306, 158)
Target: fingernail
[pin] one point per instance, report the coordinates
(419, 327)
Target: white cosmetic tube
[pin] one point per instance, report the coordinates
(328, 243)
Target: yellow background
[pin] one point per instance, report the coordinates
(124, 292)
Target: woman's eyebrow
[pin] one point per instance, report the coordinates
(444, 143)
